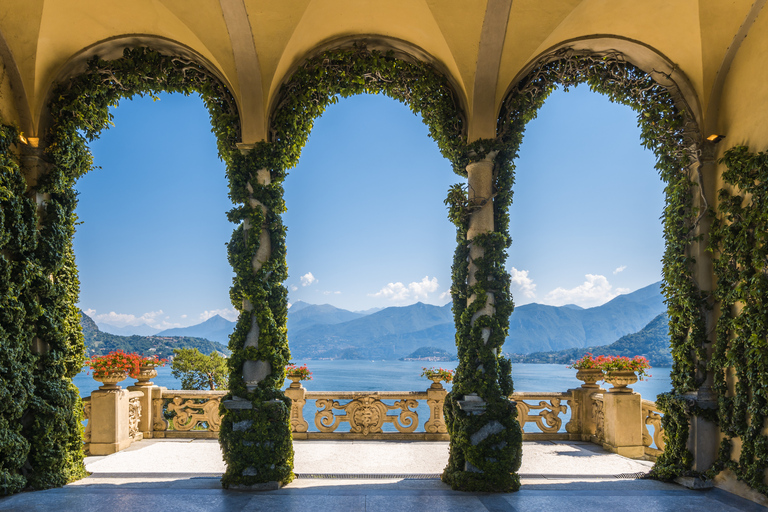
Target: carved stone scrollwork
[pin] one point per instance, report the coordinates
(548, 420)
(298, 423)
(598, 417)
(189, 413)
(653, 418)
(159, 423)
(436, 423)
(366, 414)
(87, 416)
(574, 425)
(134, 415)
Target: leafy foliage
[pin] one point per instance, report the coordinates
(667, 130)
(18, 313)
(198, 371)
(739, 240)
(38, 262)
(260, 294)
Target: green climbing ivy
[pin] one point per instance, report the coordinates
(671, 134)
(318, 83)
(18, 310)
(39, 276)
(739, 240)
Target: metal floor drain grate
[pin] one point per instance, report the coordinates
(370, 476)
(632, 476)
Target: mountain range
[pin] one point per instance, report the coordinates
(98, 342)
(652, 342)
(325, 331)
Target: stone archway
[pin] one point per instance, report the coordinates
(669, 116)
(78, 109)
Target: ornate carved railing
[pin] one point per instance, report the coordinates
(598, 418)
(553, 409)
(617, 420)
(652, 416)
(367, 412)
(134, 415)
(187, 414)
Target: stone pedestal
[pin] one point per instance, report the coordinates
(583, 418)
(296, 393)
(623, 424)
(109, 421)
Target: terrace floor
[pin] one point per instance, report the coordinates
(368, 476)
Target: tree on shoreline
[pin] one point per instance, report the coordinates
(195, 370)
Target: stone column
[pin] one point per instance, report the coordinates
(255, 371)
(34, 167)
(703, 441)
(255, 433)
(485, 438)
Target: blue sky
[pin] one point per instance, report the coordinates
(367, 226)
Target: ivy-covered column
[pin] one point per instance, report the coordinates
(255, 433)
(486, 441)
(704, 434)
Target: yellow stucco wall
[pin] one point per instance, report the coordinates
(744, 109)
(8, 113)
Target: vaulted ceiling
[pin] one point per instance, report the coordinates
(483, 46)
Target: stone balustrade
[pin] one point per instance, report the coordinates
(617, 419)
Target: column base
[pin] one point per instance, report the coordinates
(108, 448)
(260, 487)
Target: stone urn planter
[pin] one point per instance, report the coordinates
(589, 376)
(110, 380)
(295, 380)
(146, 374)
(436, 380)
(620, 379)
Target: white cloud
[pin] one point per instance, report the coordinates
(619, 269)
(152, 318)
(524, 283)
(398, 292)
(155, 319)
(596, 290)
(228, 313)
(328, 292)
(294, 287)
(183, 316)
(308, 279)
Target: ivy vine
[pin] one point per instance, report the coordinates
(39, 274)
(256, 441)
(666, 129)
(739, 240)
(18, 312)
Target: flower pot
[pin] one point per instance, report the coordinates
(296, 380)
(436, 382)
(620, 379)
(589, 376)
(148, 372)
(110, 380)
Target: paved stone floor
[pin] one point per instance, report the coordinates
(171, 475)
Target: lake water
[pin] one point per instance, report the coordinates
(405, 376)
